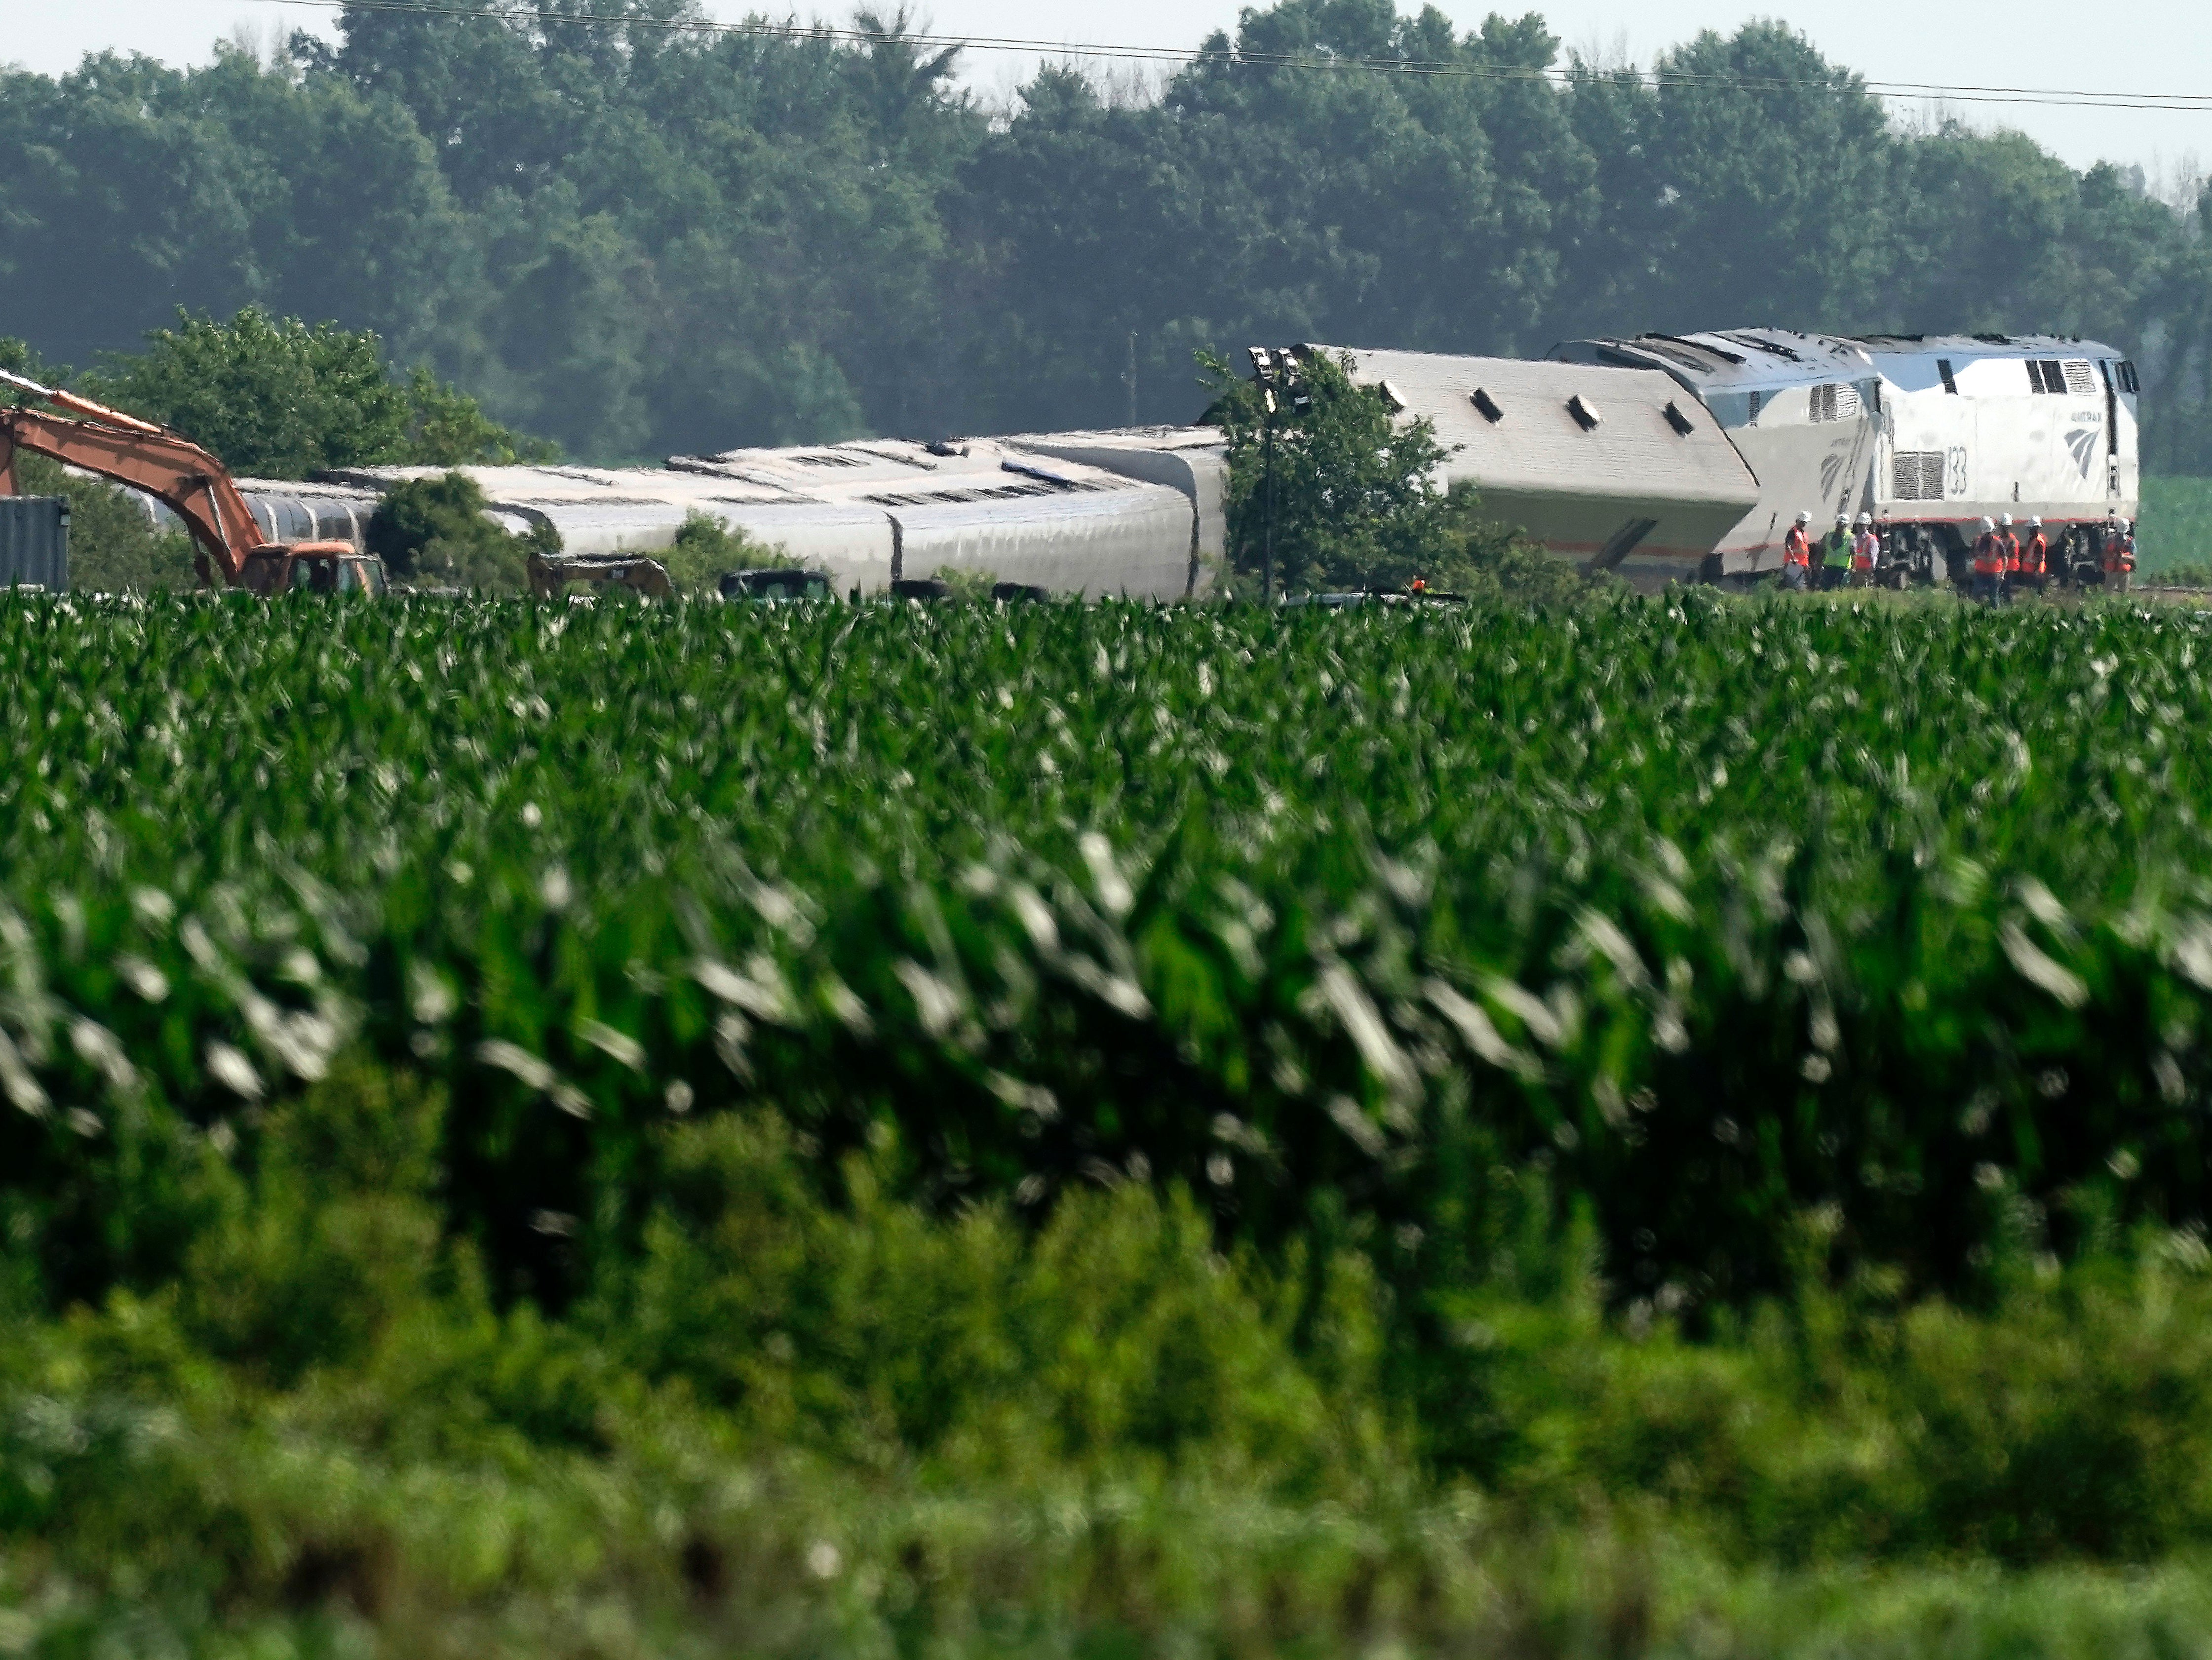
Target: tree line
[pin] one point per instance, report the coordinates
(637, 242)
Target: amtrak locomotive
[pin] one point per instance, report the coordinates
(1927, 432)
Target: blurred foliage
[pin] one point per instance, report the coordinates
(1496, 916)
(2173, 533)
(643, 241)
(1580, 1127)
(435, 532)
(789, 1421)
(968, 584)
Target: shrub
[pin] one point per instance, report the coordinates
(705, 548)
(437, 530)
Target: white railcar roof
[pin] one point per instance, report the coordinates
(1719, 359)
(1985, 345)
(1536, 442)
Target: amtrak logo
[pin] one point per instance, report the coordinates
(1829, 469)
(2082, 443)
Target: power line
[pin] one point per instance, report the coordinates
(2059, 97)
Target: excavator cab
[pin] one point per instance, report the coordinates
(314, 567)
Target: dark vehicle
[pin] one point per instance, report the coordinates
(1018, 592)
(921, 587)
(775, 586)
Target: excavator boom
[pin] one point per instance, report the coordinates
(184, 478)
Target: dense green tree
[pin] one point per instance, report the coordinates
(1348, 488)
(276, 398)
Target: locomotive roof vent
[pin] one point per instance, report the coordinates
(1487, 407)
(1584, 411)
(1679, 421)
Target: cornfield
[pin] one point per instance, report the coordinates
(1710, 918)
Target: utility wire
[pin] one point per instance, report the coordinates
(2061, 97)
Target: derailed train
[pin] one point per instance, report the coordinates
(1657, 458)
(1927, 432)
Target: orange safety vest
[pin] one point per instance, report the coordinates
(1864, 546)
(2011, 550)
(2034, 556)
(2117, 548)
(1796, 550)
(1989, 555)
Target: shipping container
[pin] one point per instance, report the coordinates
(35, 542)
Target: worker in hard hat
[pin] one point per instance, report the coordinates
(2119, 553)
(2008, 558)
(2032, 569)
(1836, 553)
(1866, 552)
(1989, 563)
(1797, 554)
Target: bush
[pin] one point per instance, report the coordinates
(968, 585)
(705, 547)
(1487, 560)
(437, 531)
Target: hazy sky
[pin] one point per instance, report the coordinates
(2121, 46)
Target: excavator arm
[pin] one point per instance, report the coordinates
(172, 470)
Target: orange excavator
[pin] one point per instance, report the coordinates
(232, 552)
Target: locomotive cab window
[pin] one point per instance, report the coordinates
(2128, 382)
(1943, 368)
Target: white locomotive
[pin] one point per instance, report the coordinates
(1927, 432)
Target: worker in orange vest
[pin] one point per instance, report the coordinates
(1989, 564)
(2033, 565)
(2119, 553)
(1797, 554)
(1866, 549)
(2008, 558)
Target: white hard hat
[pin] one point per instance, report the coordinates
(1843, 519)
(1804, 518)
(2034, 524)
(1866, 519)
(1987, 526)
(2005, 519)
